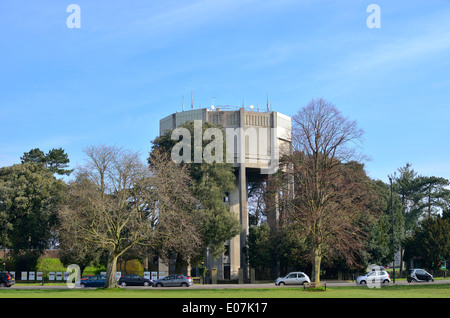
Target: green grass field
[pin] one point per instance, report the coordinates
(398, 291)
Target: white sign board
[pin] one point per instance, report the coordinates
(162, 275)
(154, 275)
(51, 275)
(39, 276)
(118, 275)
(24, 276)
(147, 275)
(397, 258)
(31, 275)
(58, 275)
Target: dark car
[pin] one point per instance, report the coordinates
(134, 280)
(6, 279)
(93, 281)
(173, 280)
(419, 275)
(86, 277)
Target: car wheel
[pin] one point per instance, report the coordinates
(123, 284)
(159, 285)
(184, 285)
(82, 285)
(2, 285)
(146, 284)
(385, 281)
(281, 284)
(363, 282)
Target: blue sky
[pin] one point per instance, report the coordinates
(131, 63)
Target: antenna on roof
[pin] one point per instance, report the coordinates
(192, 100)
(267, 102)
(212, 107)
(183, 103)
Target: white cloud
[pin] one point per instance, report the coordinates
(429, 36)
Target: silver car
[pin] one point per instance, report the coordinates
(174, 280)
(294, 278)
(374, 277)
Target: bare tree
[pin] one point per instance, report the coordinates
(326, 203)
(117, 202)
(320, 131)
(174, 208)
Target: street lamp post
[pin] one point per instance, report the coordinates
(393, 238)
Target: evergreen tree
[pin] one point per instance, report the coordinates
(431, 241)
(56, 160)
(406, 185)
(33, 197)
(434, 194)
(379, 247)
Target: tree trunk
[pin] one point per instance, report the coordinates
(317, 260)
(179, 264)
(111, 268)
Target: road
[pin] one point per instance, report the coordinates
(231, 286)
(329, 284)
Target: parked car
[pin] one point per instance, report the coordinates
(374, 277)
(93, 281)
(134, 280)
(294, 278)
(173, 280)
(419, 275)
(6, 279)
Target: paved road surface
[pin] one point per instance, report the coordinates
(231, 286)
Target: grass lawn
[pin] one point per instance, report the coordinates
(398, 291)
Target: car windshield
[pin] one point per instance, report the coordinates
(373, 273)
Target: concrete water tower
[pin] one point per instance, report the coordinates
(253, 160)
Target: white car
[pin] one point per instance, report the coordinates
(374, 277)
(294, 278)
